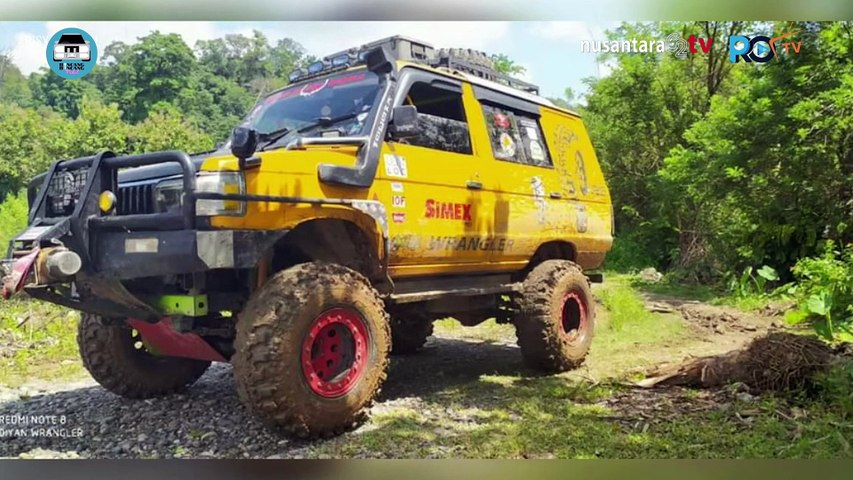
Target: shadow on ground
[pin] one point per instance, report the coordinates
(455, 399)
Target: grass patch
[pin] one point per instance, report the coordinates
(44, 347)
(628, 336)
(556, 417)
(488, 331)
(670, 288)
(714, 295)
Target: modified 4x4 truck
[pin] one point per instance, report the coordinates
(385, 187)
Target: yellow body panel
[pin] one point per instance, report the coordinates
(436, 224)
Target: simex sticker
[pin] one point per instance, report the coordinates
(395, 166)
(398, 217)
(448, 210)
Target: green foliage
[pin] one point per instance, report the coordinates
(836, 389)
(165, 129)
(29, 141)
(752, 282)
(37, 340)
(506, 65)
(628, 254)
(625, 306)
(714, 167)
(13, 218)
(824, 293)
(14, 88)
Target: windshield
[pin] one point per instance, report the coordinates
(338, 103)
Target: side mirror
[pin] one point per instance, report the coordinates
(404, 122)
(244, 141)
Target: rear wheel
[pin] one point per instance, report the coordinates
(556, 318)
(312, 349)
(117, 358)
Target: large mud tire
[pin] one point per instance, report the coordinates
(556, 319)
(280, 359)
(117, 360)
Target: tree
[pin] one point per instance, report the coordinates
(155, 69)
(166, 129)
(51, 90)
(238, 58)
(772, 189)
(505, 65)
(567, 101)
(13, 84)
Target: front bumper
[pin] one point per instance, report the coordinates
(112, 248)
(127, 255)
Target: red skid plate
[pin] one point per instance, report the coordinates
(20, 271)
(162, 338)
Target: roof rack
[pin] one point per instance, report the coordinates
(479, 64)
(463, 60)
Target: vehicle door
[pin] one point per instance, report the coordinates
(440, 209)
(531, 208)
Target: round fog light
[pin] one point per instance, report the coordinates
(107, 201)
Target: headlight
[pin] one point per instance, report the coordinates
(220, 182)
(168, 194)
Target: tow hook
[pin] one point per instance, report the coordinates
(51, 265)
(15, 280)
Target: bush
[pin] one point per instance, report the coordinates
(13, 218)
(836, 389)
(628, 255)
(824, 293)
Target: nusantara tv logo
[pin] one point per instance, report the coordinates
(761, 48)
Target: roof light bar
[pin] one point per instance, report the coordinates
(404, 48)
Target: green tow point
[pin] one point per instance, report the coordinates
(187, 305)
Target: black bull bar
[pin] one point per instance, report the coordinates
(99, 238)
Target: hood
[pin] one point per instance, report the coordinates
(138, 174)
(162, 170)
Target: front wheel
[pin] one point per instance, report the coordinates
(556, 318)
(312, 349)
(117, 358)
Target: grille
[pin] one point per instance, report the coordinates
(136, 199)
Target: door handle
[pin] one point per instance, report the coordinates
(474, 185)
(556, 195)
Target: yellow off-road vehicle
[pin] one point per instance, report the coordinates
(383, 188)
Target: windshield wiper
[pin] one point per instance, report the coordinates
(270, 138)
(327, 121)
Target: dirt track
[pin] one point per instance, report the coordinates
(209, 421)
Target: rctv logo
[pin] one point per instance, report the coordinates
(761, 48)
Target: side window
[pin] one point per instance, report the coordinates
(441, 118)
(516, 137)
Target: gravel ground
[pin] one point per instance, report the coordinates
(209, 420)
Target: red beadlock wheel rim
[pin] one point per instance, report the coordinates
(334, 352)
(574, 317)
